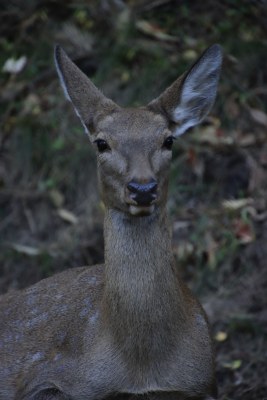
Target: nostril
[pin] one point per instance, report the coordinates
(136, 187)
(133, 186)
(152, 186)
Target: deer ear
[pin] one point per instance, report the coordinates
(88, 102)
(189, 99)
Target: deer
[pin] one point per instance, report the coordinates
(129, 328)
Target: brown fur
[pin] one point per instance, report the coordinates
(129, 328)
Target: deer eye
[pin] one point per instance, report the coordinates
(168, 142)
(102, 145)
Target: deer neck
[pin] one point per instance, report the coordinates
(142, 300)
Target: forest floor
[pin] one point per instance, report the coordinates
(50, 213)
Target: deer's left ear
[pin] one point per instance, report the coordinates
(88, 102)
(189, 99)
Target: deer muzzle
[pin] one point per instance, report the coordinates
(143, 194)
(142, 197)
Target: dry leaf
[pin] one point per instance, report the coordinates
(56, 197)
(189, 55)
(154, 31)
(235, 364)
(213, 135)
(14, 66)
(259, 116)
(243, 231)
(28, 250)
(246, 140)
(184, 250)
(102, 206)
(221, 336)
(236, 204)
(67, 216)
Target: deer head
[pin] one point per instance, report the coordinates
(134, 146)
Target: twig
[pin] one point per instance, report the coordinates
(155, 4)
(23, 194)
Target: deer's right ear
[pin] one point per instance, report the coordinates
(189, 99)
(88, 102)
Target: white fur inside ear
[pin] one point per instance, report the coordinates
(186, 120)
(197, 94)
(62, 82)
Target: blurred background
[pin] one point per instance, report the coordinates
(50, 212)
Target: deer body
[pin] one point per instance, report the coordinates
(128, 327)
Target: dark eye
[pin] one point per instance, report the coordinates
(102, 145)
(168, 142)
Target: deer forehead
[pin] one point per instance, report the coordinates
(129, 124)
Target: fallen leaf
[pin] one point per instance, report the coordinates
(56, 197)
(154, 31)
(67, 216)
(183, 250)
(243, 231)
(235, 364)
(221, 336)
(236, 204)
(102, 206)
(14, 66)
(213, 135)
(259, 116)
(28, 250)
(189, 55)
(246, 140)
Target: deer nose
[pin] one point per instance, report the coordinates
(143, 193)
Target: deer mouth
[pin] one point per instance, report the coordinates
(141, 211)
